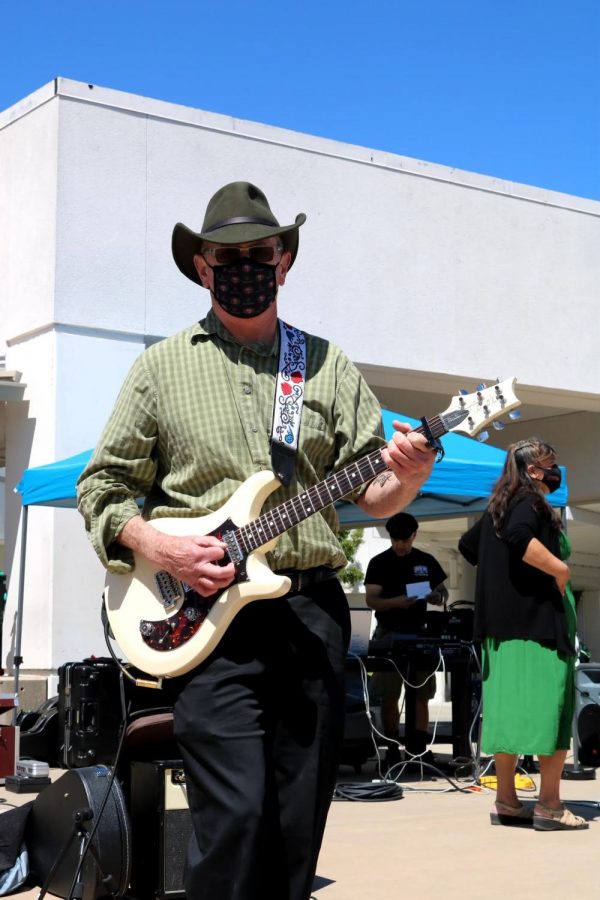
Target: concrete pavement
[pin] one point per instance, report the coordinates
(437, 842)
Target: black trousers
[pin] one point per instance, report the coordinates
(259, 725)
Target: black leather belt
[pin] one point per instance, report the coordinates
(304, 579)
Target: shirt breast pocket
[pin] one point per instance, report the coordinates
(316, 439)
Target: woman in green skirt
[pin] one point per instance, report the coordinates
(525, 618)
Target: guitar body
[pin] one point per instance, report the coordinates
(136, 598)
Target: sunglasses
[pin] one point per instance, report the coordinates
(260, 253)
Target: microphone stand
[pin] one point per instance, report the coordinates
(79, 832)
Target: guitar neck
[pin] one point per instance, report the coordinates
(336, 486)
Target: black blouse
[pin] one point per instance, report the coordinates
(512, 598)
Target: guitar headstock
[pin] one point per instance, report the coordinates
(470, 413)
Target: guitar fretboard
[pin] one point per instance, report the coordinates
(291, 512)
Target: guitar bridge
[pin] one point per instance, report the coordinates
(233, 548)
(170, 589)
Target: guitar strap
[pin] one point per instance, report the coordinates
(289, 399)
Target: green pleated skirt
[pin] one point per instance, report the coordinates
(528, 695)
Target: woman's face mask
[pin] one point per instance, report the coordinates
(552, 477)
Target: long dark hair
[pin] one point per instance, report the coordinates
(515, 481)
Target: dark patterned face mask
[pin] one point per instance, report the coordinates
(245, 289)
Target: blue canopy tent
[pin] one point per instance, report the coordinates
(52, 484)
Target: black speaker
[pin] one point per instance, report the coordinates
(161, 826)
(61, 819)
(587, 713)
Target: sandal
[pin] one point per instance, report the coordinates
(558, 820)
(503, 814)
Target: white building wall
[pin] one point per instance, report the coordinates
(28, 185)
(406, 265)
(90, 374)
(101, 218)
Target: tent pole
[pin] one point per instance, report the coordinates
(18, 659)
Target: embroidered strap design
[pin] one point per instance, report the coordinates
(289, 399)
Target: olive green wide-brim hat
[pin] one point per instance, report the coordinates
(236, 214)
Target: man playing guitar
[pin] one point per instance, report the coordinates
(259, 721)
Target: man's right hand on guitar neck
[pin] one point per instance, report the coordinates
(193, 559)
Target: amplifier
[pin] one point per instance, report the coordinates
(161, 827)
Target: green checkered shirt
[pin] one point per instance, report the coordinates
(193, 421)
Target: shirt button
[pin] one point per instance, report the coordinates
(247, 389)
(255, 428)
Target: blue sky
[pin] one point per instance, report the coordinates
(509, 88)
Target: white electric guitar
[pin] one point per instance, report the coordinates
(165, 628)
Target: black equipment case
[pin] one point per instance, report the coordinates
(62, 817)
(89, 712)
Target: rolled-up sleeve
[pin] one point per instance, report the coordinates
(122, 468)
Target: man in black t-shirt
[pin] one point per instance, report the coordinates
(394, 586)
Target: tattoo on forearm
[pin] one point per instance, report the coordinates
(383, 478)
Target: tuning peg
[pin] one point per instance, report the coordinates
(514, 414)
(499, 425)
(463, 393)
(483, 436)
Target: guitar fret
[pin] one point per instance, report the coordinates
(323, 498)
(332, 480)
(345, 482)
(370, 462)
(316, 498)
(326, 484)
(282, 520)
(294, 502)
(248, 541)
(255, 532)
(338, 484)
(269, 524)
(306, 509)
(240, 536)
(287, 520)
